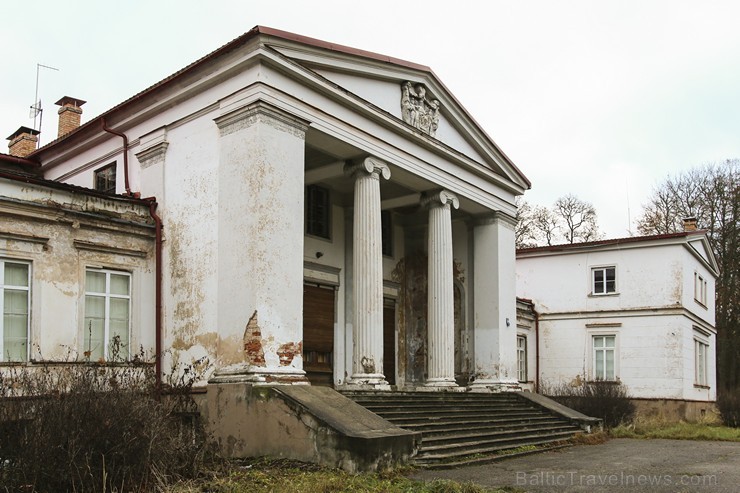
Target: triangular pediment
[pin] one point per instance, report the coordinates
(405, 91)
(701, 248)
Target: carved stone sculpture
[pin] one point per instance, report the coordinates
(419, 110)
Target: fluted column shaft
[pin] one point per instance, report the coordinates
(441, 316)
(367, 280)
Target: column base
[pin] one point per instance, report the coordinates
(440, 383)
(259, 375)
(367, 381)
(494, 385)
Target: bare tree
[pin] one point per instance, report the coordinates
(524, 232)
(711, 194)
(546, 224)
(578, 219)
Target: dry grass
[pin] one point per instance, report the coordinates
(594, 438)
(660, 427)
(285, 476)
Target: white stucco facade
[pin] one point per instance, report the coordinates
(247, 154)
(646, 314)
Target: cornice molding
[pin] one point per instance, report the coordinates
(265, 113)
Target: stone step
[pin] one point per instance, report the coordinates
(481, 459)
(437, 427)
(472, 436)
(487, 446)
(461, 428)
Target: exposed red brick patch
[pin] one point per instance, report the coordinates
(288, 351)
(253, 351)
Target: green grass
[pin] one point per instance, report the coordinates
(284, 476)
(657, 428)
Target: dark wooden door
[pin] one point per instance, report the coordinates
(389, 341)
(318, 334)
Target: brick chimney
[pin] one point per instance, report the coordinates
(689, 224)
(23, 142)
(69, 114)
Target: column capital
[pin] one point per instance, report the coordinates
(370, 165)
(440, 198)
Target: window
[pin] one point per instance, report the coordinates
(107, 308)
(604, 280)
(701, 351)
(700, 289)
(105, 179)
(603, 358)
(386, 224)
(15, 301)
(318, 211)
(521, 358)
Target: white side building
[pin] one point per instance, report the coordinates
(636, 310)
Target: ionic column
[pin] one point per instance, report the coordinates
(441, 303)
(367, 273)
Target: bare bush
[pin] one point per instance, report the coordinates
(91, 427)
(608, 401)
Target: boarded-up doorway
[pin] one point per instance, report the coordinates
(389, 340)
(318, 334)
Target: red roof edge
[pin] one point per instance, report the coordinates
(318, 43)
(7, 158)
(614, 241)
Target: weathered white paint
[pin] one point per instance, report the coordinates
(61, 233)
(260, 205)
(232, 202)
(367, 267)
(494, 304)
(441, 306)
(653, 314)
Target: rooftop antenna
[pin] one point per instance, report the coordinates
(36, 110)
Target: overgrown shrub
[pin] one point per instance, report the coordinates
(598, 399)
(728, 402)
(91, 427)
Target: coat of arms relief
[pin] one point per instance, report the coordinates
(418, 109)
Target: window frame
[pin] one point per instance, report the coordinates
(311, 213)
(604, 377)
(104, 169)
(87, 350)
(700, 289)
(701, 362)
(521, 358)
(605, 280)
(27, 289)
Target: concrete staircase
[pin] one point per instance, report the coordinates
(463, 428)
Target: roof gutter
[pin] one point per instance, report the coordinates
(125, 153)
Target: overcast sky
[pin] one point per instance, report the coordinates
(602, 99)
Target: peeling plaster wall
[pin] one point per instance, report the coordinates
(190, 255)
(61, 234)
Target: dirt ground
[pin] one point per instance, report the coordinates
(619, 465)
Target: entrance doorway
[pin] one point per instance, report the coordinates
(389, 340)
(318, 334)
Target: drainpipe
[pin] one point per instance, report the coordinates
(157, 292)
(536, 350)
(125, 154)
